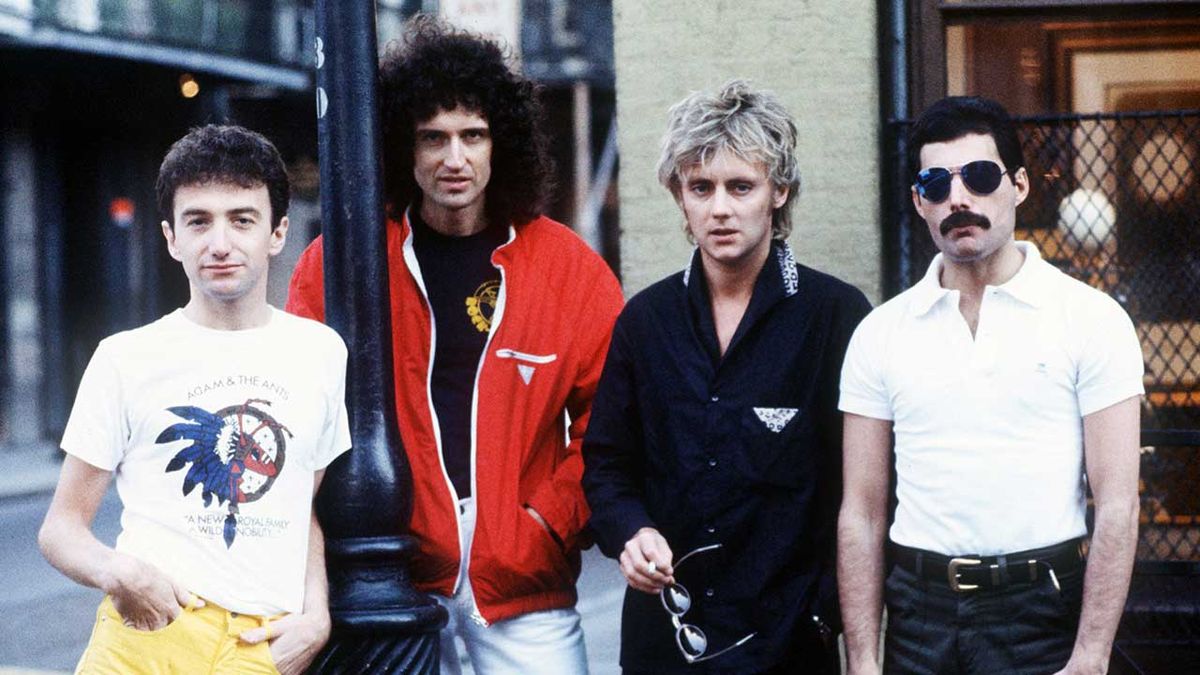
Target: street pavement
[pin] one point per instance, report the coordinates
(45, 618)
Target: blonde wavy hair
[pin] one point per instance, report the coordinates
(751, 123)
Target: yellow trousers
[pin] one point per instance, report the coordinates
(200, 640)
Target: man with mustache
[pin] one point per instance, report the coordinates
(1006, 389)
(712, 461)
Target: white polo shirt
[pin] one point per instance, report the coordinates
(988, 430)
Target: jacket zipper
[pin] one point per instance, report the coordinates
(414, 267)
(497, 316)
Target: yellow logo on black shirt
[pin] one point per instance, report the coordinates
(482, 304)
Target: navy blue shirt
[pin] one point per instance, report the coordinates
(743, 450)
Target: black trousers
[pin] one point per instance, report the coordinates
(1020, 629)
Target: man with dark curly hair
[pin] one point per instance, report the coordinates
(500, 321)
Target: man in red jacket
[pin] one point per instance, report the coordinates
(500, 321)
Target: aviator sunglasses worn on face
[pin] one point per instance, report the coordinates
(692, 641)
(981, 177)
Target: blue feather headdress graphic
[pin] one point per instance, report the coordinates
(235, 454)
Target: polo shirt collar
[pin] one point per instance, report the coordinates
(928, 291)
(1026, 285)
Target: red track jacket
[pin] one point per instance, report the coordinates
(550, 331)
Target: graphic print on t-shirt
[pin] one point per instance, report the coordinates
(235, 454)
(481, 305)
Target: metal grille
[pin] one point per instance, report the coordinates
(1160, 629)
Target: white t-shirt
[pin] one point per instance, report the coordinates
(989, 431)
(214, 437)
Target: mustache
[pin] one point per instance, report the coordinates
(964, 219)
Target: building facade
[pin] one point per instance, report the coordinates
(93, 93)
(1108, 97)
(820, 57)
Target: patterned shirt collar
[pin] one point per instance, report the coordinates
(785, 263)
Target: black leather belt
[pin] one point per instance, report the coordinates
(972, 572)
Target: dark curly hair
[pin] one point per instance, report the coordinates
(223, 154)
(435, 67)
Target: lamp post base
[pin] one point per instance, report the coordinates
(380, 623)
(353, 653)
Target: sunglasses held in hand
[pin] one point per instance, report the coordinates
(692, 641)
(981, 177)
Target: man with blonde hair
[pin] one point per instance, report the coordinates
(715, 434)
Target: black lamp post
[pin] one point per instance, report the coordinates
(380, 623)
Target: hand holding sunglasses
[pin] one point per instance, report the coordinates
(981, 177)
(692, 641)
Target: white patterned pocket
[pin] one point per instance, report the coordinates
(775, 419)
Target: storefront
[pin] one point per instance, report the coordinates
(93, 95)
(1109, 99)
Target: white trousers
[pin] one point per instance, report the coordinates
(548, 642)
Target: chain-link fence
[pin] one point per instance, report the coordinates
(1115, 202)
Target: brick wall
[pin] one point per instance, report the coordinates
(819, 56)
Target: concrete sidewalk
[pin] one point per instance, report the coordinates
(28, 469)
(47, 618)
